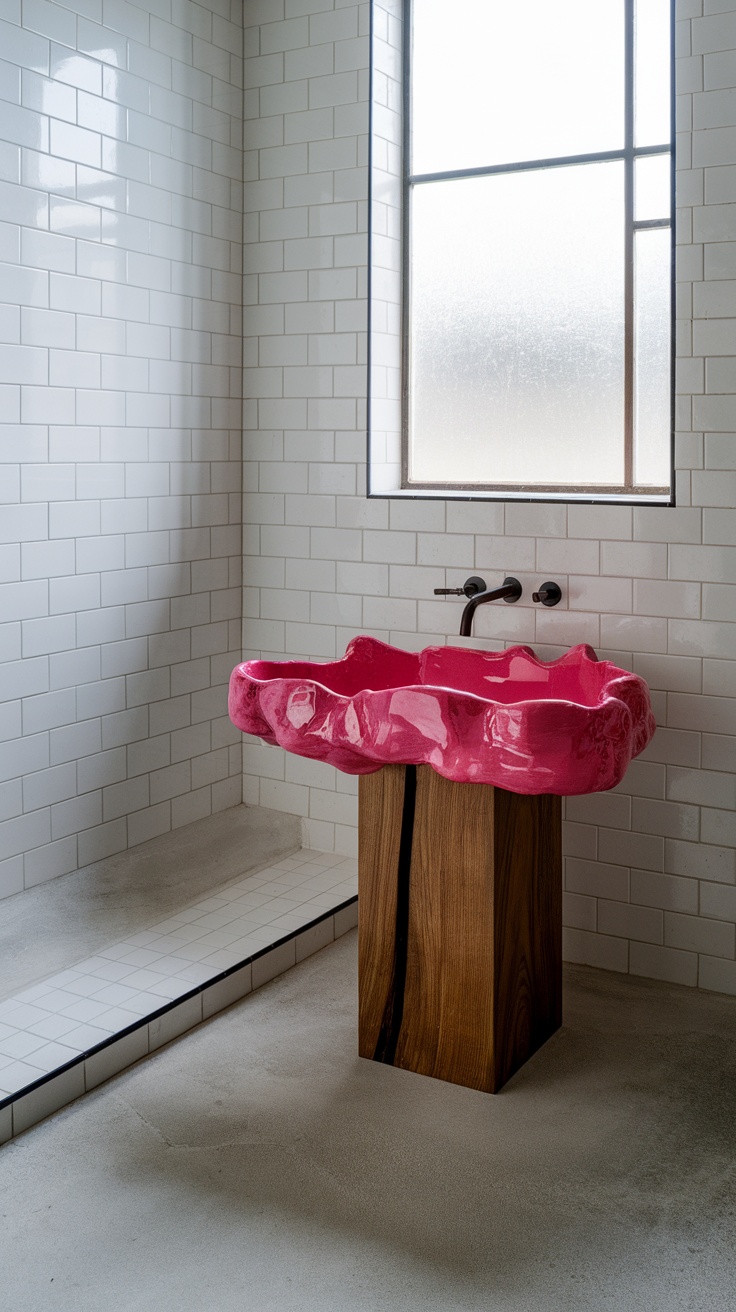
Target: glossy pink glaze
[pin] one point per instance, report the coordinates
(568, 726)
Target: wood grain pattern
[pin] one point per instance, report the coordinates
(380, 808)
(527, 945)
(480, 965)
(449, 999)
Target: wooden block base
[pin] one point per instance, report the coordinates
(460, 937)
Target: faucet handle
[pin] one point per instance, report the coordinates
(549, 594)
(470, 587)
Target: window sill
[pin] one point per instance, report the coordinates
(560, 498)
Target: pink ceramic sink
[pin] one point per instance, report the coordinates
(568, 726)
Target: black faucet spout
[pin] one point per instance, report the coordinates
(510, 590)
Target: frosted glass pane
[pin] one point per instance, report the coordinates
(517, 328)
(652, 183)
(652, 347)
(494, 83)
(652, 122)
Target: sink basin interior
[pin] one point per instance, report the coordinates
(508, 677)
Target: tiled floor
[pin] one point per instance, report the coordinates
(51, 1024)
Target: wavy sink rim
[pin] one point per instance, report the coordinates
(420, 713)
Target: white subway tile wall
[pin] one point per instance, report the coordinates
(651, 868)
(120, 433)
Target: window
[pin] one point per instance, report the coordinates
(521, 249)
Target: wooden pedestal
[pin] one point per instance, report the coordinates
(460, 957)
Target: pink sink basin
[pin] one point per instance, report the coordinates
(568, 726)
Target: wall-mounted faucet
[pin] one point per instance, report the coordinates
(475, 589)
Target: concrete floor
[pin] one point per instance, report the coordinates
(48, 928)
(258, 1165)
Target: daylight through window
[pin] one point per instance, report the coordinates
(537, 248)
